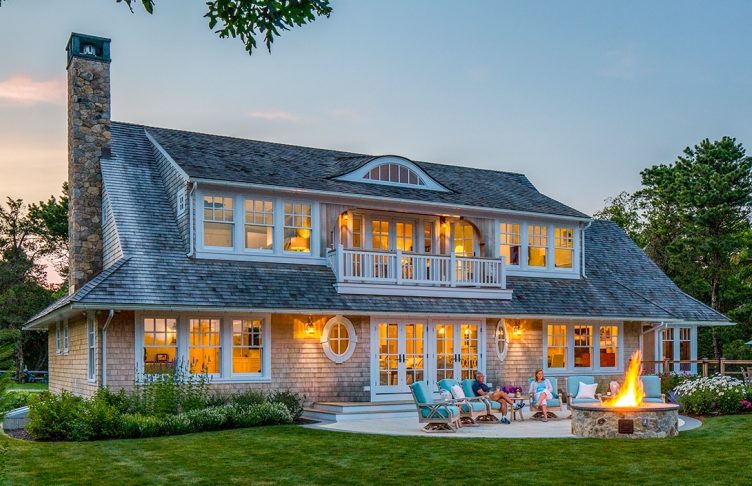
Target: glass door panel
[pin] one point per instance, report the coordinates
(469, 355)
(445, 357)
(414, 352)
(388, 354)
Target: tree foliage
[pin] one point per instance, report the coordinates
(692, 217)
(248, 19)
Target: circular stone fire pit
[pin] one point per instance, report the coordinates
(649, 420)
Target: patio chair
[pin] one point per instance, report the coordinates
(552, 405)
(747, 375)
(651, 386)
(438, 416)
(467, 387)
(573, 388)
(472, 409)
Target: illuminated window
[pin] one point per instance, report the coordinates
(510, 243)
(428, 237)
(218, 221)
(395, 174)
(609, 346)
(380, 235)
(204, 346)
(557, 346)
(685, 348)
(464, 239)
(668, 343)
(583, 346)
(247, 346)
(537, 241)
(564, 247)
(404, 236)
(259, 224)
(160, 345)
(297, 227)
(357, 231)
(338, 339)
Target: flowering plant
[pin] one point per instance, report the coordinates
(716, 394)
(511, 389)
(746, 405)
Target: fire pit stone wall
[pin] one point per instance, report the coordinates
(644, 422)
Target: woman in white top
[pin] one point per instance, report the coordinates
(541, 390)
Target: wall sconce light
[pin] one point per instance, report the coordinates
(345, 217)
(516, 330)
(309, 327)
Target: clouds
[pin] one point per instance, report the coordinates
(21, 89)
(275, 115)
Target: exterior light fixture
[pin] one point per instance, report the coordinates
(517, 329)
(89, 50)
(309, 328)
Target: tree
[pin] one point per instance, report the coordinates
(693, 218)
(49, 220)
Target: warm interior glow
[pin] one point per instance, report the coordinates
(630, 394)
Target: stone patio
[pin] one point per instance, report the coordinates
(528, 429)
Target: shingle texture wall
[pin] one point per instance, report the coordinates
(69, 371)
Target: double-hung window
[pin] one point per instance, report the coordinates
(58, 337)
(247, 346)
(91, 342)
(685, 348)
(564, 247)
(557, 346)
(573, 347)
(668, 343)
(218, 221)
(510, 243)
(259, 224)
(160, 345)
(204, 346)
(609, 346)
(65, 337)
(583, 346)
(537, 245)
(297, 228)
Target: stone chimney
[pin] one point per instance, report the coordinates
(89, 139)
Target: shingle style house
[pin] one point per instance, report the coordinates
(343, 276)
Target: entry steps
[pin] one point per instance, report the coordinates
(348, 411)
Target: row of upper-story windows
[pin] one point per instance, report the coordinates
(535, 250)
(257, 219)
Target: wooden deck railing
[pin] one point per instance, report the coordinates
(706, 367)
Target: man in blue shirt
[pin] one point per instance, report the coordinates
(481, 389)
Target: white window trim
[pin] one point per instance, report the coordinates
(358, 175)
(181, 201)
(501, 325)
(352, 342)
(550, 270)
(66, 337)
(91, 344)
(595, 368)
(238, 250)
(676, 367)
(58, 337)
(183, 327)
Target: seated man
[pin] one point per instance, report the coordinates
(481, 389)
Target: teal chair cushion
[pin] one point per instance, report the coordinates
(573, 383)
(467, 387)
(494, 405)
(477, 406)
(652, 400)
(442, 411)
(420, 392)
(554, 386)
(575, 401)
(447, 384)
(651, 385)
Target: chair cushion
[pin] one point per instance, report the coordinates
(552, 403)
(573, 383)
(442, 411)
(586, 390)
(447, 384)
(495, 405)
(420, 392)
(651, 385)
(457, 392)
(652, 400)
(474, 406)
(585, 400)
(554, 387)
(467, 387)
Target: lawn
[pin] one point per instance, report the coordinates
(27, 386)
(716, 453)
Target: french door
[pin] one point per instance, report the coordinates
(404, 351)
(398, 357)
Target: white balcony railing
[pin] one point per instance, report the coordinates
(417, 269)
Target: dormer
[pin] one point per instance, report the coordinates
(393, 170)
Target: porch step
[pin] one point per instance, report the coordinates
(346, 411)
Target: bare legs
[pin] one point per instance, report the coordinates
(542, 405)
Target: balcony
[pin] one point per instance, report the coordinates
(417, 274)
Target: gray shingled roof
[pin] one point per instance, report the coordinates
(238, 160)
(621, 281)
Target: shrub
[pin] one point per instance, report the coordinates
(96, 419)
(292, 401)
(52, 417)
(248, 398)
(669, 381)
(717, 394)
(170, 393)
(15, 399)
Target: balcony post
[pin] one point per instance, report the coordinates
(398, 266)
(503, 271)
(452, 269)
(340, 262)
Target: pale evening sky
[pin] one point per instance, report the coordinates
(580, 96)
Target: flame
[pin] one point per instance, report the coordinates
(630, 394)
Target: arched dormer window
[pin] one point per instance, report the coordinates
(393, 171)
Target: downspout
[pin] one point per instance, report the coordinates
(190, 219)
(582, 245)
(104, 346)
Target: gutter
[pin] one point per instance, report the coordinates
(104, 346)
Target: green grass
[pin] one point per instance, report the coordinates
(28, 386)
(716, 453)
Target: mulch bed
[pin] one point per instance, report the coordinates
(19, 434)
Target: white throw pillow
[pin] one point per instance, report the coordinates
(586, 391)
(457, 392)
(445, 395)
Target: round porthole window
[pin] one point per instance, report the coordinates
(338, 339)
(502, 340)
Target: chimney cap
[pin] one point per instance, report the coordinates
(88, 47)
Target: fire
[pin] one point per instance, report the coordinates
(630, 394)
